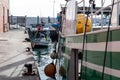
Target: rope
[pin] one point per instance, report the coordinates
(106, 46)
(84, 37)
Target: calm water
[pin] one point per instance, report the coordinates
(42, 58)
(40, 52)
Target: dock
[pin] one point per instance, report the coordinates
(13, 56)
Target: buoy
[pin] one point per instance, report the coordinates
(81, 18)
(62, 71)
(50, 70)
(53, 55)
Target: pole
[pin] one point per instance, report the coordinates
(101, 15)
(53, 9)
(92, 16)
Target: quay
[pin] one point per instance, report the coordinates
(13, 56)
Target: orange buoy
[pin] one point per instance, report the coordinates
(50, 70)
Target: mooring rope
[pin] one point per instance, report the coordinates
(84, 38)
(107, 40)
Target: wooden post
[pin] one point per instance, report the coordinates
(73, 69)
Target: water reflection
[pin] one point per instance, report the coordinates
(41, 53)
(42, 58)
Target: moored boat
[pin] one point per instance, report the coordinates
(92, 55)
(39, 36)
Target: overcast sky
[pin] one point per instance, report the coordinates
(35, 7)
(43, 8)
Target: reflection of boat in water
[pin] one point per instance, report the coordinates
(41, 57)
(89, 55)
(38, 53)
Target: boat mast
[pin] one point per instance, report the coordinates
(102, 14)
(116, 19)
(53, 10)
(91, 5)
(118, 11)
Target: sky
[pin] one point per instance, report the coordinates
(43, 8)
(35, 7)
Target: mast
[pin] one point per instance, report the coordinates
(116, 19)
(53, 10)
(101, 15)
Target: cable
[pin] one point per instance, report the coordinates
(84, 37)
(107, 38)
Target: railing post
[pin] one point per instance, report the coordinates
(73, 69)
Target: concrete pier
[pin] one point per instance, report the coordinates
(13, 56)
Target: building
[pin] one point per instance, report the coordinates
(30, 20)
(4, 13)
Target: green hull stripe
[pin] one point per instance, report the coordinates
(97, 57)
(109, 71)
(91, 74)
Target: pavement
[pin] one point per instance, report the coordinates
(13, 56)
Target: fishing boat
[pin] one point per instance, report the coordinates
(85, 53)
(39, 36)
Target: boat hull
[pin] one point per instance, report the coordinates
(94, 54)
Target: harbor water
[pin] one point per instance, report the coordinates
(42, 58)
